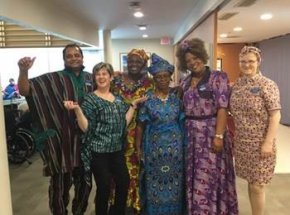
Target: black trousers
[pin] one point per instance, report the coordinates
(105, 167)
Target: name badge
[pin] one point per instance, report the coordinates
(202, 87)
(88, 83)
(255, 90)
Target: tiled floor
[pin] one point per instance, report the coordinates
(29, 187)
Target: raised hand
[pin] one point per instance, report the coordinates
(25, 63)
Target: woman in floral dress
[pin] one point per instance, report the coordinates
(210, 176)
(255, 105)
(132, 85)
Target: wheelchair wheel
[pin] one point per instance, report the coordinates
(18, 149)
(28, 135)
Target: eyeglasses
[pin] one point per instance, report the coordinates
(248, 62)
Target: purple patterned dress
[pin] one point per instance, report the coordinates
(210, 177)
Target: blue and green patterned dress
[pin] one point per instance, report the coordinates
(162, 181)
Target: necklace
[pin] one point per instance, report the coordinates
(162, 97)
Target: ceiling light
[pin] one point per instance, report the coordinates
(138, 14)
(238, 29)
(266, 16)
(142, 27)
(144, 35)
(223, 35)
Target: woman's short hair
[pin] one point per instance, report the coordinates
(103, 65)
(193, 46)
(100, 66)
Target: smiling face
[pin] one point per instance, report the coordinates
(249, 64)
(193, 63)
(135, 65)
(73, 58)
(103, 78)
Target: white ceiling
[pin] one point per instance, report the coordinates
(248, 18)
(163, 17)
(166, 17)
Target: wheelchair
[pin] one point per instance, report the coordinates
(20, 138)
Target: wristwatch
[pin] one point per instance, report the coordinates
(220, 136)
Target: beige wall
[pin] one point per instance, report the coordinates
(47, 17)
(5, 196)
(205, 31)
(200, 11)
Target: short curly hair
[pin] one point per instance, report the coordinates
(102, 65)
(193, 46)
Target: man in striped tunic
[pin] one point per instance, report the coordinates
(61, 149)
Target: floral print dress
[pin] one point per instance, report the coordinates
(251, 99)
(130, 92)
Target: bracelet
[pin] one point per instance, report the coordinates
(220, 136)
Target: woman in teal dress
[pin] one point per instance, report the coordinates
(160, 142)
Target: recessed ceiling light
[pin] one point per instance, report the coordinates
(138, 14)
(144, 35)
(223, 35)
(142, 27)
(238, 29)
(266, 16)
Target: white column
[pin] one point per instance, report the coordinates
(107, 41)
(5, 196)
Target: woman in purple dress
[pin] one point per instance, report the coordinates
(210, 176)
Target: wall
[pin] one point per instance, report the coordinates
(205, 31)
(5, 197)
(200, 11)
(275, 65)
(229, 54)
